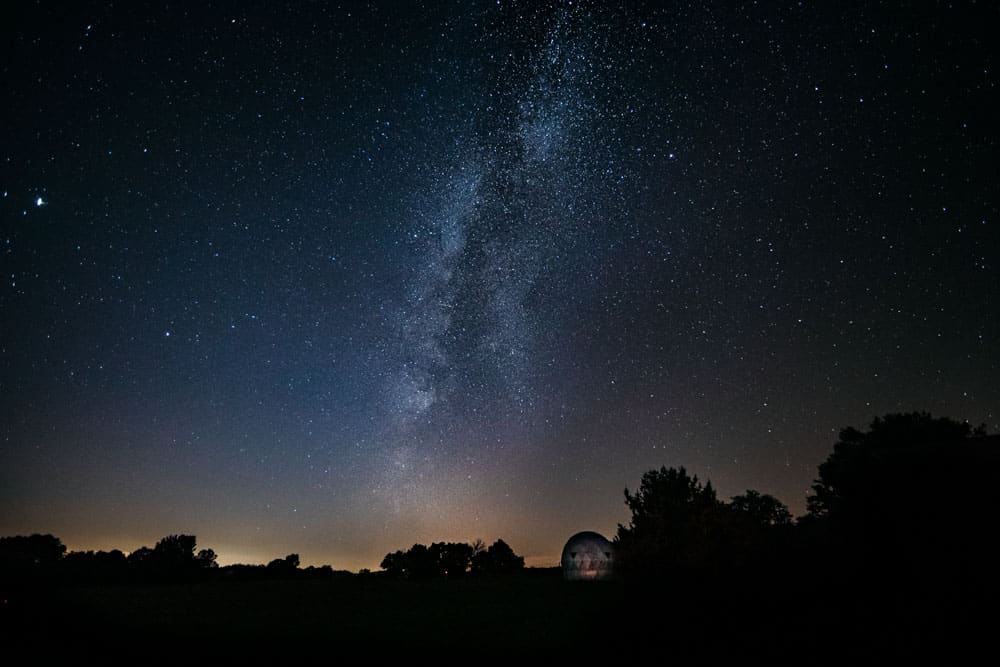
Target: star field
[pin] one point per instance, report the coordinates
(334, 279)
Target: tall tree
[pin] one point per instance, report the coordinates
(913, 493)
(675, 522)
(174, 551)
(861, 460)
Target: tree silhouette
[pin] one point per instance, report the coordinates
(761, 508)
(172, 559)
(913, 495)
(676, 522)
(499, 558)
(140, 557)
(478, 546)
(207, 559)
(452, 558)
(284, 567)
(31, 551)
(29, 556)
(395, 564)
(416, 563)
(420, 563)
(175, 550)
(850, 476)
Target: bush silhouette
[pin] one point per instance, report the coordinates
(284, 568)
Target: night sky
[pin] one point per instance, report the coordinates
(333, 279)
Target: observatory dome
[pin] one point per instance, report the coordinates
(588, 556)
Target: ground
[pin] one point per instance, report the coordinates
(520, 611)
(479, 617)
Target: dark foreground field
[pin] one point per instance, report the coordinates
(519, 611)
(509, 614)
(376, 612)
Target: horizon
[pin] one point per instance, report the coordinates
(250, 558)
(235, 555)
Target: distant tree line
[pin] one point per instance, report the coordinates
(43, 558)
(36, 558)
(452, 560)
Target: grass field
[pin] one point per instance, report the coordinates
(514, 612)
(763, 619)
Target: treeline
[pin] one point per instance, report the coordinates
(680, 526)
(904, 506)
(175, 558)
(43, 558)
(452, 560)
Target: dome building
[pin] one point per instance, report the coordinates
(588, 556)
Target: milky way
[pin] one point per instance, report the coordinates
(335, 280)
(496, 236)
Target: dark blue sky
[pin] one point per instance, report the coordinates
(337, 279)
